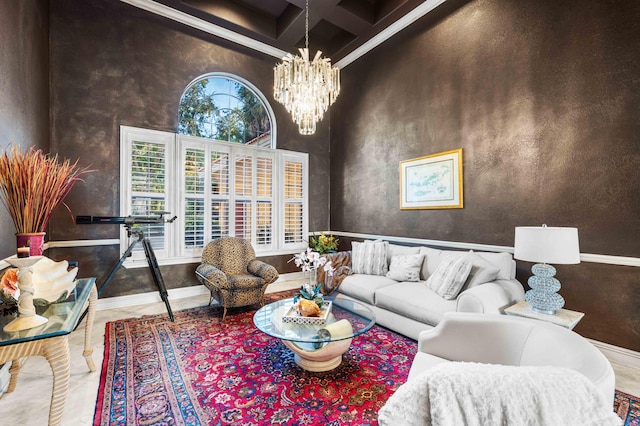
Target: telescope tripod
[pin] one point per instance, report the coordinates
(153, 266)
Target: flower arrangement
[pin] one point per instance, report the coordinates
(33, 183)
(9, 291)
(323, 243)
(310, 260)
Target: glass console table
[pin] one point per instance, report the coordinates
(50, 341)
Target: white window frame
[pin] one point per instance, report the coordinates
(175, 251)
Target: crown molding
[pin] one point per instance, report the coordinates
(200, 24)
(208, 27)
(390, 31)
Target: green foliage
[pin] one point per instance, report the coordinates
(323, 244)
(196, 108)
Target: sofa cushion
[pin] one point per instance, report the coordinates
(482, 271)
(369, 257)
(432, 258)
(450, 276)
(363, 287)
(405, 267)
(415, 301)
(503, 261)
(397, 250)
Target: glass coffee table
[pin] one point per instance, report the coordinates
(317, 347)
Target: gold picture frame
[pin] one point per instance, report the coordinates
(432, 182)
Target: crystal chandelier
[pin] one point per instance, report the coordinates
(306, 88)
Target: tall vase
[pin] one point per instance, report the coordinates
(311, 277)
(33, 240)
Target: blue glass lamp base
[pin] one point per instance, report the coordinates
(543, 296)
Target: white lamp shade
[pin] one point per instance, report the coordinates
(544, 244)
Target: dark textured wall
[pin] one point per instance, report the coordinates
(113, 64)
(544, 99)
(24, 87)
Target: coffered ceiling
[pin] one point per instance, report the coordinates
(343, 30)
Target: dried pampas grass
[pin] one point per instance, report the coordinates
(33, 184)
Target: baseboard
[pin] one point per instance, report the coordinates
(617, 354)
(176, 293)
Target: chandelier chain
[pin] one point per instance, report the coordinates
(306, 25)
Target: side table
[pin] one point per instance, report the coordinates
(50, 340)
(564, 317)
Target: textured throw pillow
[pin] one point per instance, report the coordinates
(482, 271)
(405, 267)
(449, 277)
(369, 257)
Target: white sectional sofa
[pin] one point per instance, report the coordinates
(411, 307)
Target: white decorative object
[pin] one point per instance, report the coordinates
(306, 88)
(52, 279)
(27, 317)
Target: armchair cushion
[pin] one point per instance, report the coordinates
(261, 269)
(209, 275)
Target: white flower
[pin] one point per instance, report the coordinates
(328, 268)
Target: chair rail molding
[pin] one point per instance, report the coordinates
(584, 257)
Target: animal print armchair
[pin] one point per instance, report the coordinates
(230, 270)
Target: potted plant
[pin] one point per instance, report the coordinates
(33, 184)
(323, 243)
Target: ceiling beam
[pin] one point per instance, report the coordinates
(290, 30)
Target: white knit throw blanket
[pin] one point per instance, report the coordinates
(461, 393)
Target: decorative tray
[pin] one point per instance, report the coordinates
(293, 317)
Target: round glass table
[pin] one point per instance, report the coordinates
(317, 346)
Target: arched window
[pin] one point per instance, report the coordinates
(220, 174)
(225, 108)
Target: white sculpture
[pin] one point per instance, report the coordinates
(52, 279)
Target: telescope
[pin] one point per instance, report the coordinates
(158, 217)
(128, 222)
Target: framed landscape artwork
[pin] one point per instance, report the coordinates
(432, 182)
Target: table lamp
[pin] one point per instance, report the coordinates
(543, 245)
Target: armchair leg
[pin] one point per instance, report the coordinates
(224, 313)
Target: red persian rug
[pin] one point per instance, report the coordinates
(198, 371)
(628, 408)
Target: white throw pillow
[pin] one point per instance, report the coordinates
(405, 267)
(369, 257)
(397, 250)
(448, 279)
(482, 271)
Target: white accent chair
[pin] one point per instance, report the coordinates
(516, 341)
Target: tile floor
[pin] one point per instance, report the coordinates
(27, 406)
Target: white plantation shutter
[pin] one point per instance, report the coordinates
(219, 194)
(145, 190)
(294, 178)
(194, 201)
(243, 190)
(220, 189)
(264, 202)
